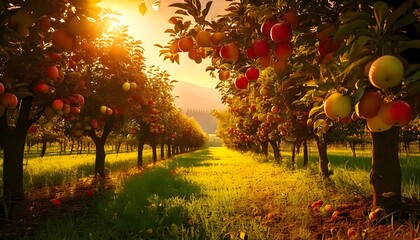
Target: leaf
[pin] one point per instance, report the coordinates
(360, 62)
(170, 31)
(315, 110)
(405, 21)
(404, 45)
(350, 28)
(318, 123)
(142, 8)
(413, 78)
(181, 12)
(173, 20)
(381, 12)
(358, 94)
(207, 8)
(403, 8)
(179, 5)
(357, 46)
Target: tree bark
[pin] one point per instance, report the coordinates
(169, 151)
(305, 153)
(162, 151)
(385, 175)
(44, 146)
(140, 153)
(294, 145)
(323, 157)
(264, 147)
(276, 151)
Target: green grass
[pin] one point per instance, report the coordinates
(213, 193)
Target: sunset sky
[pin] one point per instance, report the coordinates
(150, 30)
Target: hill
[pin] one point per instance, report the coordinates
(191, 96)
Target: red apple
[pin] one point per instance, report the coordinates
(62, 40)
(186, 44)
(109, 111)
(281, 32)
(229, 52)
(174, 47)
(72, 65)
(369, 105)
(280, 65)
(94, 123)
(55, 202)
(292, 18)
(261, 48)
(397, 113)
(250, 54)
(217, 37)
(376, 124)
(75, 110)
(241, 82)
(252, 73)
(283, 50)
(8, 100)
(351, 232)
(274, 109)
(266, 27)
(57, 104)
(52, 72)
(265, 61)
(41, 88)
(79, 99)
(203, 38)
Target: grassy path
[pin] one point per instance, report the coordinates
(214, 193)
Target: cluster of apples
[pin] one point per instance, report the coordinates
(327, 45)
(7, 99)
(71, 104)
(380, 114)
(153, 119)
(127, 86)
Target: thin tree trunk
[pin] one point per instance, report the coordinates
(264, 147)
(276, 151)
(294, 155)
(323, 157)
(162, 151)
(169, 152)
(305, 153)
(44, 146)
(385, 175)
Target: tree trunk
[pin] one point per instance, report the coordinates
(323, 157)
(264, 147)
(353, 148)
(305, 153)
(162, 151)
(169, 151)
(276, 151)
(385, 175)
(154, 152)
(293, 155)
(44, 146)
(140, 154)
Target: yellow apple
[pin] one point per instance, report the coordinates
(337, 105)
(386, 72)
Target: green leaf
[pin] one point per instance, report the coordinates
(360, 62)
(405, 21)
(381, 12)
(357, 46)
(350, 28)
(413, 78)
(401, 10)
(315, 110)
(207, 9)
(404, 45)
(358, 94)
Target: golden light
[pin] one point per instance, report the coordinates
(156, 5)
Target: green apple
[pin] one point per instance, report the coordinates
(337, 106)
(386, 72)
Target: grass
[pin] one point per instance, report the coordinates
(216, 193)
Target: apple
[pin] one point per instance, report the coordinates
(72, 65)
(192, 54)
(44, 23)
(229, 52)
(280, 65)
(54, 56)
(281, 32)
(376, 124)
(33, 129)
(89, 192)
(1, 88)
(292, 18)
(133, 85)
(274, 109)
(265, 61)
(397, 113)
(264, 91)
(283, 50)
(266, 27)
(174, 47)
(369, 105)
(55, 202)
(108, 111)
(217, 37)
(150, 102)
(351, 232)
(241, 82)
(203, 38)
(386, 71)
(252, 73)
(126, 87)
(41, 88)
(57, 104)
(8, 100)
(75, 110)
(103, 109)
(94, 123)
(224, 75)
(250, 54)
(337, 105)
(329, 208)
(186, 44)
(79, 99)
(62, 40)
(66, 108)
(52, 72)
(261, 47)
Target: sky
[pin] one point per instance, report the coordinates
(150, 30)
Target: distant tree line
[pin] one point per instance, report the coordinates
(207, 122)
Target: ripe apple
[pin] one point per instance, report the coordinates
(261, 48)
(351, 232)
(386, 71)
(57, 104)
(283, 50)
(280, 65)
(337, 105)
(241, 82)
(329, 208)
(217, 37)
(133, 85)
(376, 124)
(265, 61)
(292, 18)
(8, 100)
(229, 52)
(266, 27)
(224, 75)
(108, 111)
(186, 44)
(252, 73)
(89, 192)
(274, 109)
(62, 40)
(41, 88)
(397, 113)
(192, 54)
(126, 87)
(55, 202)
(250, 54)
(1, 88)
(94, 123)
(52, 72)
(75, 110)
(54, 56)
(203, 38)
(281, 32)
(264, 91)
(369, 105)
